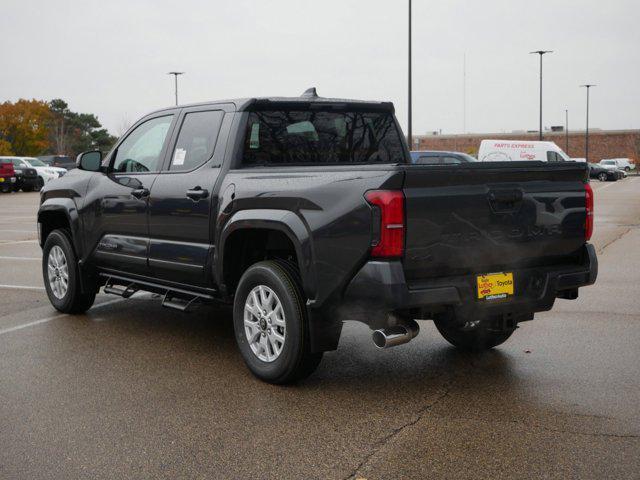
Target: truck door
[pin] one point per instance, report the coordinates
(184, 200)
(116, 208)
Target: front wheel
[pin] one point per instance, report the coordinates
(270, 323)
(602, 177)
(62, 277)
(471, 337)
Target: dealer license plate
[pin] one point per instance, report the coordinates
(495, 286)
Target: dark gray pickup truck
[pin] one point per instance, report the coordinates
(305, 212)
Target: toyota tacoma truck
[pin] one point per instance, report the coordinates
(305, 212)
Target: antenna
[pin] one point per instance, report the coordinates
(310, 93)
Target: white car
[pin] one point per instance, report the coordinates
(45, 172)
(622, 163)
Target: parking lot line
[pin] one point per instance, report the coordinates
(21, 287)
(11, 242)
(20, 258)
(45, 320)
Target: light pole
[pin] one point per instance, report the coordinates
(541, 53)
(175, 76)
(586, 138)
(409, 134)
(566, 132)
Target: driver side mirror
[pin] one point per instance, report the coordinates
(90, 161)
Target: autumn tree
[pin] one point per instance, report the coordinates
(24, 127)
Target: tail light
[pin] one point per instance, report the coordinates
(388, 238)
(588, 223)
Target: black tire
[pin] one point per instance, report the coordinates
(74, 300)
(602, 177)
(295, 361)
(478, 339)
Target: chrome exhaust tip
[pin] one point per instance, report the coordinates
(396, 335)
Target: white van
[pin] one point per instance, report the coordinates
(520, 150)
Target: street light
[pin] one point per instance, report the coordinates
(175, 76)
(409, 135)
(541, 53)
(566, 132)
(586, 139)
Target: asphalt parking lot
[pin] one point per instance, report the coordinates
(132, 390)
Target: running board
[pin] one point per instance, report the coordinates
(176, 298)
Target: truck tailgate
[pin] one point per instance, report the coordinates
(492, 217)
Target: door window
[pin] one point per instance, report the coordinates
(196, 140)
(141, 150)
(451, 161)
(429, 160)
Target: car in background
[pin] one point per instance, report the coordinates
(434, 157)
(27, 178)
(621, 163)
(520, 150)
(45, 172)
(604, 174)
(7, 176)
(62, 161)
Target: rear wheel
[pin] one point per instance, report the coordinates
(270, 324)
(472, 336)
(602, 177)
(62, 277)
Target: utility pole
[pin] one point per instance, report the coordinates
(175, 76)
(464, 93)
(541, 53)
(586, 138)
(566, 132)
(409, 134)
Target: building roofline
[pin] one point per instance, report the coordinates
(528, 134)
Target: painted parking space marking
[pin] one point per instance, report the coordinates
(21, 287)
(35, 259)
(48, 319)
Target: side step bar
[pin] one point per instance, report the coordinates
(176, 298)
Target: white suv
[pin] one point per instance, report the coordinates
(621, 163)
(45, 172)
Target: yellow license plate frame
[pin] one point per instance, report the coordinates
(495, 286)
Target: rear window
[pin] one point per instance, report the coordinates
(291, 137)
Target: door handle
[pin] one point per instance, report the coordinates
(140, 192)
(197, 193)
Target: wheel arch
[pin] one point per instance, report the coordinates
(282, 223)
(59, 214)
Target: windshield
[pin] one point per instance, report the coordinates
(321, 137)
(34, 162)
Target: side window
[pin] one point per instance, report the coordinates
(140, 151)
(554, 157)
(429, 160)
(196, 140)
(451, 161)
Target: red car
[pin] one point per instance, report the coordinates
(7, 177)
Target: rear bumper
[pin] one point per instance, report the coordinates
(380, 288)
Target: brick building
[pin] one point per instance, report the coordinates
(602, 143)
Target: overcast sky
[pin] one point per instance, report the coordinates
(111, 57)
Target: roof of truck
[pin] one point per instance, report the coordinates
(308, 97)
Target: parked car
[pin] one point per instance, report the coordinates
(27, 178)
(622, 163)
(433, 157)
(519, 150)
(305, 212)
(61, 161)
(45, 172)
(613, 165)
(7, 176)
(604, 174)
